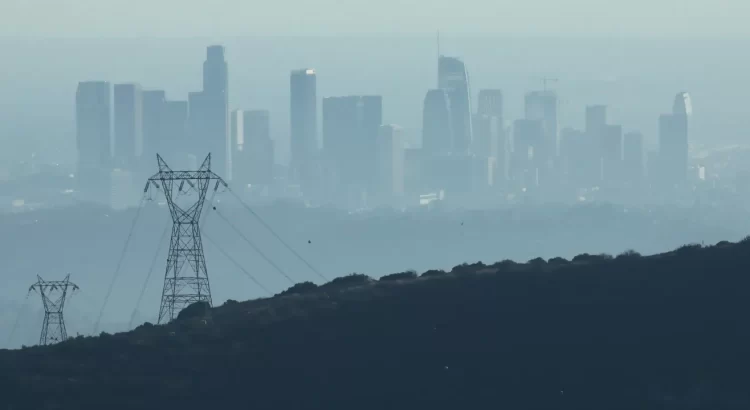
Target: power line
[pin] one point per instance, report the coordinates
(283, 242)
(119, 265)
(148, 277)
(255, 248)
(248, 274)
(18, 319)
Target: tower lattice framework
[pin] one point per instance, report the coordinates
(54, 294)
(186, 276)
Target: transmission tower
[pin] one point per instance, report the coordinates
(182, 289)
(53, 295)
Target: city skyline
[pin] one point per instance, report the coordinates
(465, 149)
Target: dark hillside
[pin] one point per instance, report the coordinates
(663, 332)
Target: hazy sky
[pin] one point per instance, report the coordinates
(126, 18)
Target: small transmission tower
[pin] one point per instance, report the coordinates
(53, 295)
(182, 289)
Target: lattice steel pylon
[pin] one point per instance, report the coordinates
(184, 288)
(54, 295)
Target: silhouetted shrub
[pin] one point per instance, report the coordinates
(433, 272)
(629, 254)
(504, 264)
(462, 268)
(410, 274)
(558, 261)
(724, 243)
(691, 247)
(230, 302)
(197, 309)
(537, 261)
(300, 288)
(745, 239)
(587, 258)
(354, 279)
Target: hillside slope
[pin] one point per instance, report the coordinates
(662, 332)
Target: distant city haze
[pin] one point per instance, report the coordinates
(636, 78)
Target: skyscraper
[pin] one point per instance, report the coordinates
(454, 79)
(153, 137)
(303, 121)
(542, 106)
(611, 153)
(490, 102)
(93, 122)
(209, 113)
(128, 125)
(350, 129)
(673, 148)
(175, 146)
(528, 137)
(633, 157)
(254, 157)
(487, 135)
(389, 163)
(437, 124)
(596, 119)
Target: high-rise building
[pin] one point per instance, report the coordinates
(673, 148)
(454, 79)
(542, 106)
(389, 163)
(303, 121)
(93, 122)
(487, 135)
(153, 137)
(209, 113)
(175, 139)
(254, 157)
(633, 161)
(596, 120)
(528, 137)
(611, 153)
(128, 125)
(350, 130)
(490, 102)
(437, 124)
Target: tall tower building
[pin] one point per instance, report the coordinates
(633, 157)
(542, 106)
(350, 129)
(611, 153)
(209, 113)
(528, 137)
(437, 124)
(454, 79)
(93, 122)
(303, 121)
(490, 102)
(673, 140)
(128, 125)
(596, 120)
(174, 134)
(254, 154)
(389, 163)
(153, 137)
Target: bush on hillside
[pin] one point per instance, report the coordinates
(629, 254)
(410, 274)
(433, 272)
(588, 258)
(537, 261)
(197, 309)
(300, 288)
(354, 279)
(558, 261)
